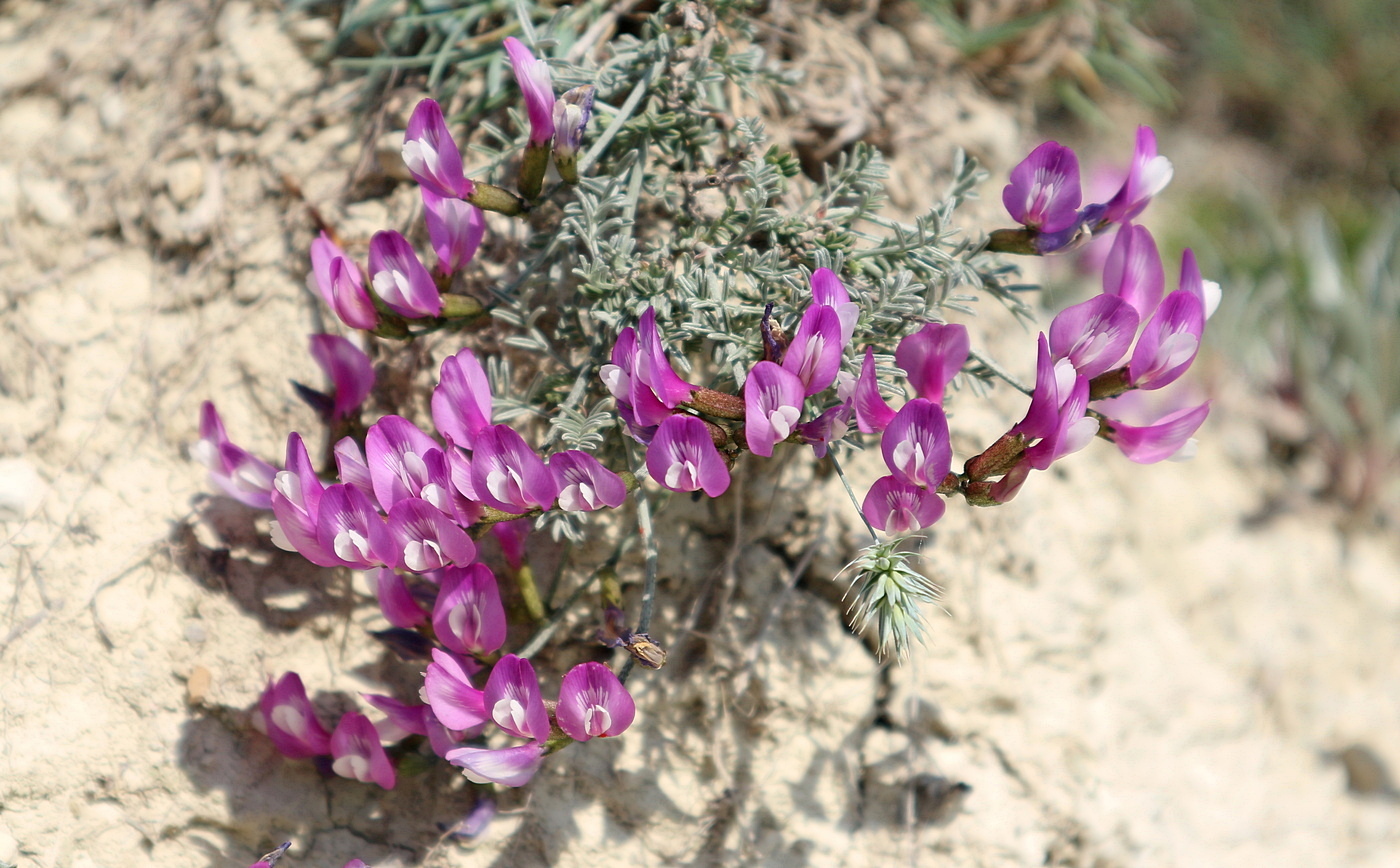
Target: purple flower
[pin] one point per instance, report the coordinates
(514, 701)
(468, 616)
(509, 767)
(932, 356)
(1147, 177)
(1073, 430)
(508, 475)
(296, 497)
(683, 457)
(425, 539)
(337, 280)
(896, 507)
(584, 484)
(772, 405)
(1093, 335)
(872, 413)
(571, 113)
(349, 527)
(512, 536)
(638, 406)
(829, 427)
(358, 753)
(431, 155)
(462, 399)
(1044, 412)
(1166, 438)
(815, 352)
(593, 703)
(533, 77)
(271, 858)
(396, 601)
(829, 291)
(400, 719)
(448, 690)
(242, 476)
(916, 445)
(400, 279)
(652, 369)
(475, 822)
(351, 467)
(291, 721)
(1133, 270)
(404, 462)
(350, 371)
(1169, 341)
(1044, 192)
(1208, 291)
(455, 229)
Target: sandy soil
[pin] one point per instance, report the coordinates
(1137, 665)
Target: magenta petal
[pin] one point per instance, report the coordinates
(829, 427)
(425, 539)
(1208, 291)
(403, 719)
(916, 445)
(430, 153)
(296, 498)
(829, 291)
(1169, 341)
(398, 454)
(1148, 175)
(349, 298)
(351, 467)
(513, 699)
(290, 719)
(533, 77)
(358, 753)
(512, 536)
(455, 229)
(1044, 192)
(584, 484)
(509, 767)
(1133, 270)
(932, 356)
(400, 279)
(241, 475)
(653, 369)
(896, 507)
(1044, 412)
(815, 352)
(462, 399)
(396, 601)
(508, 475)
(350, 371)
(872, 413)
(351, 529)
(593, 703)
(448, 690)
(324, 251)
(1073, 429)
(772, 405)
(468, 616)
(1160, 440)
(682, 457)
(1093, 335)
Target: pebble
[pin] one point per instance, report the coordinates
(48, 199)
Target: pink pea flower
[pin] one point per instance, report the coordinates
(638, 406)
(272, 858)
(829, 427)
(916, 445)
(652, 369)
(683, 457)
(872, 413)
(404, 462)
(1168, 437)
(431, 155)
(513, 699)
(455, 229)
(1093, 335)
(462, 399)
(572, 111)
(593, 703)
(425, 539)
(584, 484)
(441, 739)
(448, 690)
(1073, 429)
(1208, 291)
(512, 536)
(238, 473)
(772, 405)
(350, 371)
(1133, 270)
(535, 85)
(400, 279)
(358, 753)
(1149, 175)
(829, 291)
(468, 617)
(932, 356)
(351, 467)
(296, 498)
(350, 528)
(508, 475)
(290, 720)
(475, 822)
(337, 279)
(815, 352)
(466, 504)
(1169, 342)
(1044, 192)
(396, 600)
(401, 719)
(509, 767)
(1044, 412)
(897, 507)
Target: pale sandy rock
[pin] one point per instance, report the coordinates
(21, 488)
(889, 48)
(111, 110)
(22, 63)
(28, 125)
(48, 199)
(184, 178)
(10, 198)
